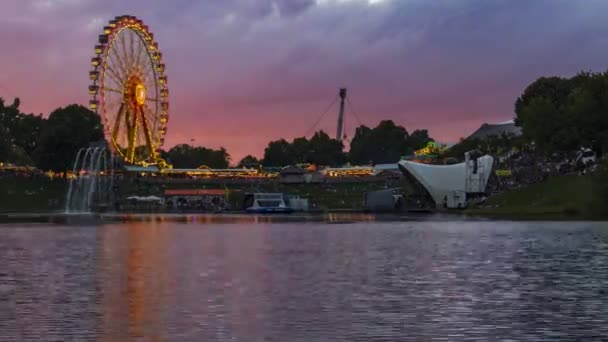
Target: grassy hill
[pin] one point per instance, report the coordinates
(564, 197)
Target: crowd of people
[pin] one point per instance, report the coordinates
(529, 167)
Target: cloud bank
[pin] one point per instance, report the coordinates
(243, 72)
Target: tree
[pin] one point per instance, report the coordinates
(361, 150)
(66, 131)
(9, 115)
(386, 143)
(300, 150)
(5, 144)
(185, 156)
(27, 132)
(249, 161)
(325, 151)
(560, 114)
(418, 139)
(20, 131)
(600, 189)
(278, 153)
(553, 89)
(319, 150)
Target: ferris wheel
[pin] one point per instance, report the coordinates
(129, 90)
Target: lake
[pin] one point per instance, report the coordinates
(259, 279)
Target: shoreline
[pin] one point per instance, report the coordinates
(340, 217)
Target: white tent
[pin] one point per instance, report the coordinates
(441, 180)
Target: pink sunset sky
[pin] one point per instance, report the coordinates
(244, 72)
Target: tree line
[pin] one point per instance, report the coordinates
(47, 143)
(563, 114)
(52, 143)
(385, 143)
(556, 114)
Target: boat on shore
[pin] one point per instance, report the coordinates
(267, 203)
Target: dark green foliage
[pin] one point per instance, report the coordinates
(49, 144)
(419, 139)
(557, 115)
(249, 161)
(319, 150)
(560, 114)
(386, 143)
(278, 153)
(65, 132)
(600, 187)
(5, 144)
(27, 132)
(189, 157)
(324, 150)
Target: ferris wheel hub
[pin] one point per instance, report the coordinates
(135, 91)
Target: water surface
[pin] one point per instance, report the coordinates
(304, 281)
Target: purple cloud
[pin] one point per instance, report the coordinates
(243, 72)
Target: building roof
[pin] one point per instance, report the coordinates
(487, 130)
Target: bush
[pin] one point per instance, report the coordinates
(600, 180)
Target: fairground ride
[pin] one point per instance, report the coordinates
(129, 91)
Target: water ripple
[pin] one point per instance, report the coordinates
(441, 281)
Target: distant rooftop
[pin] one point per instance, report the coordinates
(487, 130)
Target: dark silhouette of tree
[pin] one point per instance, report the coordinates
(278, 153)
(319, 150)
(185, 156)
(5, 144)
(560, 114)
(418, 139)
(325, 151)
(21, 133)
(64, 133)
(600, 182)
(249, 161)
(386, 143)
(300, 150)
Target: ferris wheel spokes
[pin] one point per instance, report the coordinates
(117, 123)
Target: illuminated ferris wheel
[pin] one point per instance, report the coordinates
(129, 90)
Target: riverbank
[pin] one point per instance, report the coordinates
(222, 218)
(569, 197)
(44, 195)
(32, 194)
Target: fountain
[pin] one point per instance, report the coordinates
(91, 187)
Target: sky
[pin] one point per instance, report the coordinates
(244, 72)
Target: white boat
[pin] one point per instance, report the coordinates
(266, 203)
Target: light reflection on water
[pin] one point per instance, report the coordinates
(362, 281)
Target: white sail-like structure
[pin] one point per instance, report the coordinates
(470, 177)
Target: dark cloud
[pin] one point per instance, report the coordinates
(290, 8)
(246, 71)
